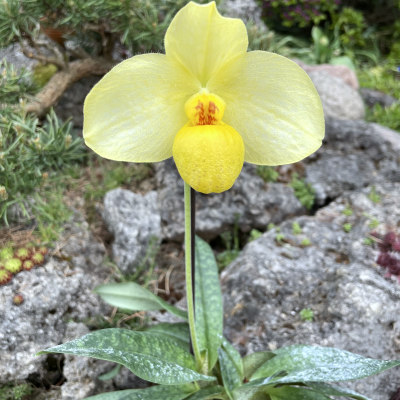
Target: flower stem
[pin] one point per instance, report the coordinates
(190, 267)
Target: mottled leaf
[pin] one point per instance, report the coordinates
(231, 371)
(332, 390)
(178, 332)
(301, 363)
(208, 393)
(153, 358)
(208, 302)
(295, 393)
(133, 297)
(152, 393)
(254, 361)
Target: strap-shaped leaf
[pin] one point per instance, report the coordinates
(208, 302)
(178, 332)
(231, 367)
(151, 357)
(253, 361)
(295, 393)
(110, 374)
(208, 393)
(152, 393)
(133, 297)
(301, 363)
(332, 390)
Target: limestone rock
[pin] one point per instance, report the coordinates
(355, 307)
(251, 203)
(339, 100)
(134, 220)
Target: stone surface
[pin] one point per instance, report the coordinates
(247, 10)
(60, 290)
(372, 97)
(70, 105)
(355, 307)
(134, 220)
(13, 55)
(338, 71)
(251, 203)
(339, 100)
(354, 154)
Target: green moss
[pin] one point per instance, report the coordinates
(268, 174)
(43, 73)
(15, 392)
(303, 191)
(347, 227)
(296, 228)
(306, 314)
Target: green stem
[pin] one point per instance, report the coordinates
(190, 273)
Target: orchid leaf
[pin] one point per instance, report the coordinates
(153, 358)
(208, 302)
(301, 363)
(155, 392)
(295, 393)
(177, 331)
(208, 393)
(133, 297)
(254, 361)
(231, 370)
(332, 390)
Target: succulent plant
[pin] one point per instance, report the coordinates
(28, 265)
(37, 258)
(18, 299)
(43, 250)
(13, 265)
(6, 253)
(22, 253)
(5, 276)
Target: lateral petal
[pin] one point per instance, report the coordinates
(134, 112)
(203, 41)
(273, 105)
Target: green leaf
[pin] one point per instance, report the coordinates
(231, 367)
(332, 390)
(177, 331)
(295, 393)
(208, 302)
(254, 361)
(155, 359)
(110, 374)
(133, 297)
(155, 392)
(301, 363)
(208, 393)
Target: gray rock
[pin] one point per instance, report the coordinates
(251, 203)
(339, 100)
(58, 291)
(372, 97)
(247, 10)
(355, 307)
(134, 220)
(70, 105)
(354, 154)
(13, 55)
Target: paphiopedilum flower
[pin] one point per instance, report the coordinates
(207, 102)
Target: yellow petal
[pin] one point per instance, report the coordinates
(208, 157)
(135, 111)
(274, 106)
(203, 41)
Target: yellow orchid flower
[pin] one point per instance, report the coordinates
(207, 102)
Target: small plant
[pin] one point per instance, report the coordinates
(368, 241)
(347, 227)
(374, 196)
(6, 253)
(15, 391)
(268, 174)
(22, 253)
(305, 242)
(389, 255)
(27, 265)
(373, 223)
(347, 211)
(303, 191)
(5, 276)
(18, 299)
(37, 258)
(306, 314)
(231, 244)
(254, 234)
(296, 228)
(13, 265)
